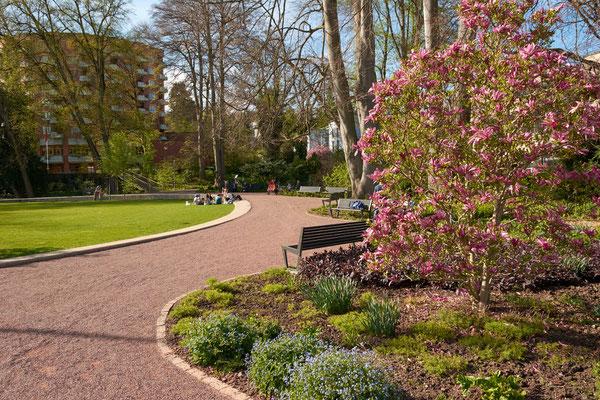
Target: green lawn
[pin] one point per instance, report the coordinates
(29, 228)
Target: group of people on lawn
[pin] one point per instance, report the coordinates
(220, 198)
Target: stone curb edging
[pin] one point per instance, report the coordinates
(161, 334)
(241, 208)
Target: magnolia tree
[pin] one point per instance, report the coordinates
(476, 126)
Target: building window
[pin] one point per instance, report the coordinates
(55, 151)
(44, 59)
(152, 108)
(150, 70)
(73, 59)
(151, 96)
(75, 129)
(79, 151)
(46, 130)
(47, 115)
(151, 83)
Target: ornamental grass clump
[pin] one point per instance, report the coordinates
(271, 361)
(381, 317)
(341, 374)
(219, 340)
(332, 295)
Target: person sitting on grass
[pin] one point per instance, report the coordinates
(197, 200)
(219, 199)
(208, 200)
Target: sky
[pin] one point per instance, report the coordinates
(140, 10)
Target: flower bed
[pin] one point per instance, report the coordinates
(544, 343)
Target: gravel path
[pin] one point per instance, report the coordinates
(83, 327)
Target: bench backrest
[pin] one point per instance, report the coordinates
(313, 237)
(335, 189)
(345, 203)
(310, 189)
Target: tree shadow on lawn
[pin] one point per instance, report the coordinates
(25, 251)
(69, 204)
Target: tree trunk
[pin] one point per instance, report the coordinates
(430, 24)
(485, 291)
(18, 155)
(343, 101)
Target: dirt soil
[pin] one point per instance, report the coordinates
(571, 324)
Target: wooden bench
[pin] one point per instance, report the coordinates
(309, 189)
(335, 193)
(345, 205)
(314, 237)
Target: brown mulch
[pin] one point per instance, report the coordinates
(574, 327)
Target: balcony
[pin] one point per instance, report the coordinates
(86, 92)
(141, 97)
(140, 71)
(56, 135)
(84, 78)
(141, 85)
(143, 110)
(162, 114)
(52, 159)
(163, 127)
(80, 158)
(115, 108)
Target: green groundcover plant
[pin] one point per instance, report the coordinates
(475, 125)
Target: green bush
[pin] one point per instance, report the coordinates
(332, 295)
(183, 326)
(265, 328)
(271, 361)
(455, 319)
(273, 273)
(488, 347)
(381, 317)
(405, 345)
(433, 330)
(183, 310)
(514, 329)
(218, 297)
(351, 325)
(496, 387)
(365, 299)
(275, 288)
(341, 374)
(214, 284)
(442, 365)
(339, 176)
(219, 340)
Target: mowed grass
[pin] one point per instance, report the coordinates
(30, 228)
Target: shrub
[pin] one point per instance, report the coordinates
(405, 345)
(455, 319)
(218, 297)
(270, 361)
(183, 326)
(433, 330)
(351, 325)
(442, 365)
(219, 340)
(514, 329)
(214, 284)
(275, 288)
(341, 374)
(183, 310)
(381, 317)
(273, 273)
(365, 299)
(307, 310)
(265, 328)
(490, 348)
(332, 295)
(496, 387)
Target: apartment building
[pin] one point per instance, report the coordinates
(136, 86)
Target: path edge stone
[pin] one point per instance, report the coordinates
(161, 333)
(241, 208)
